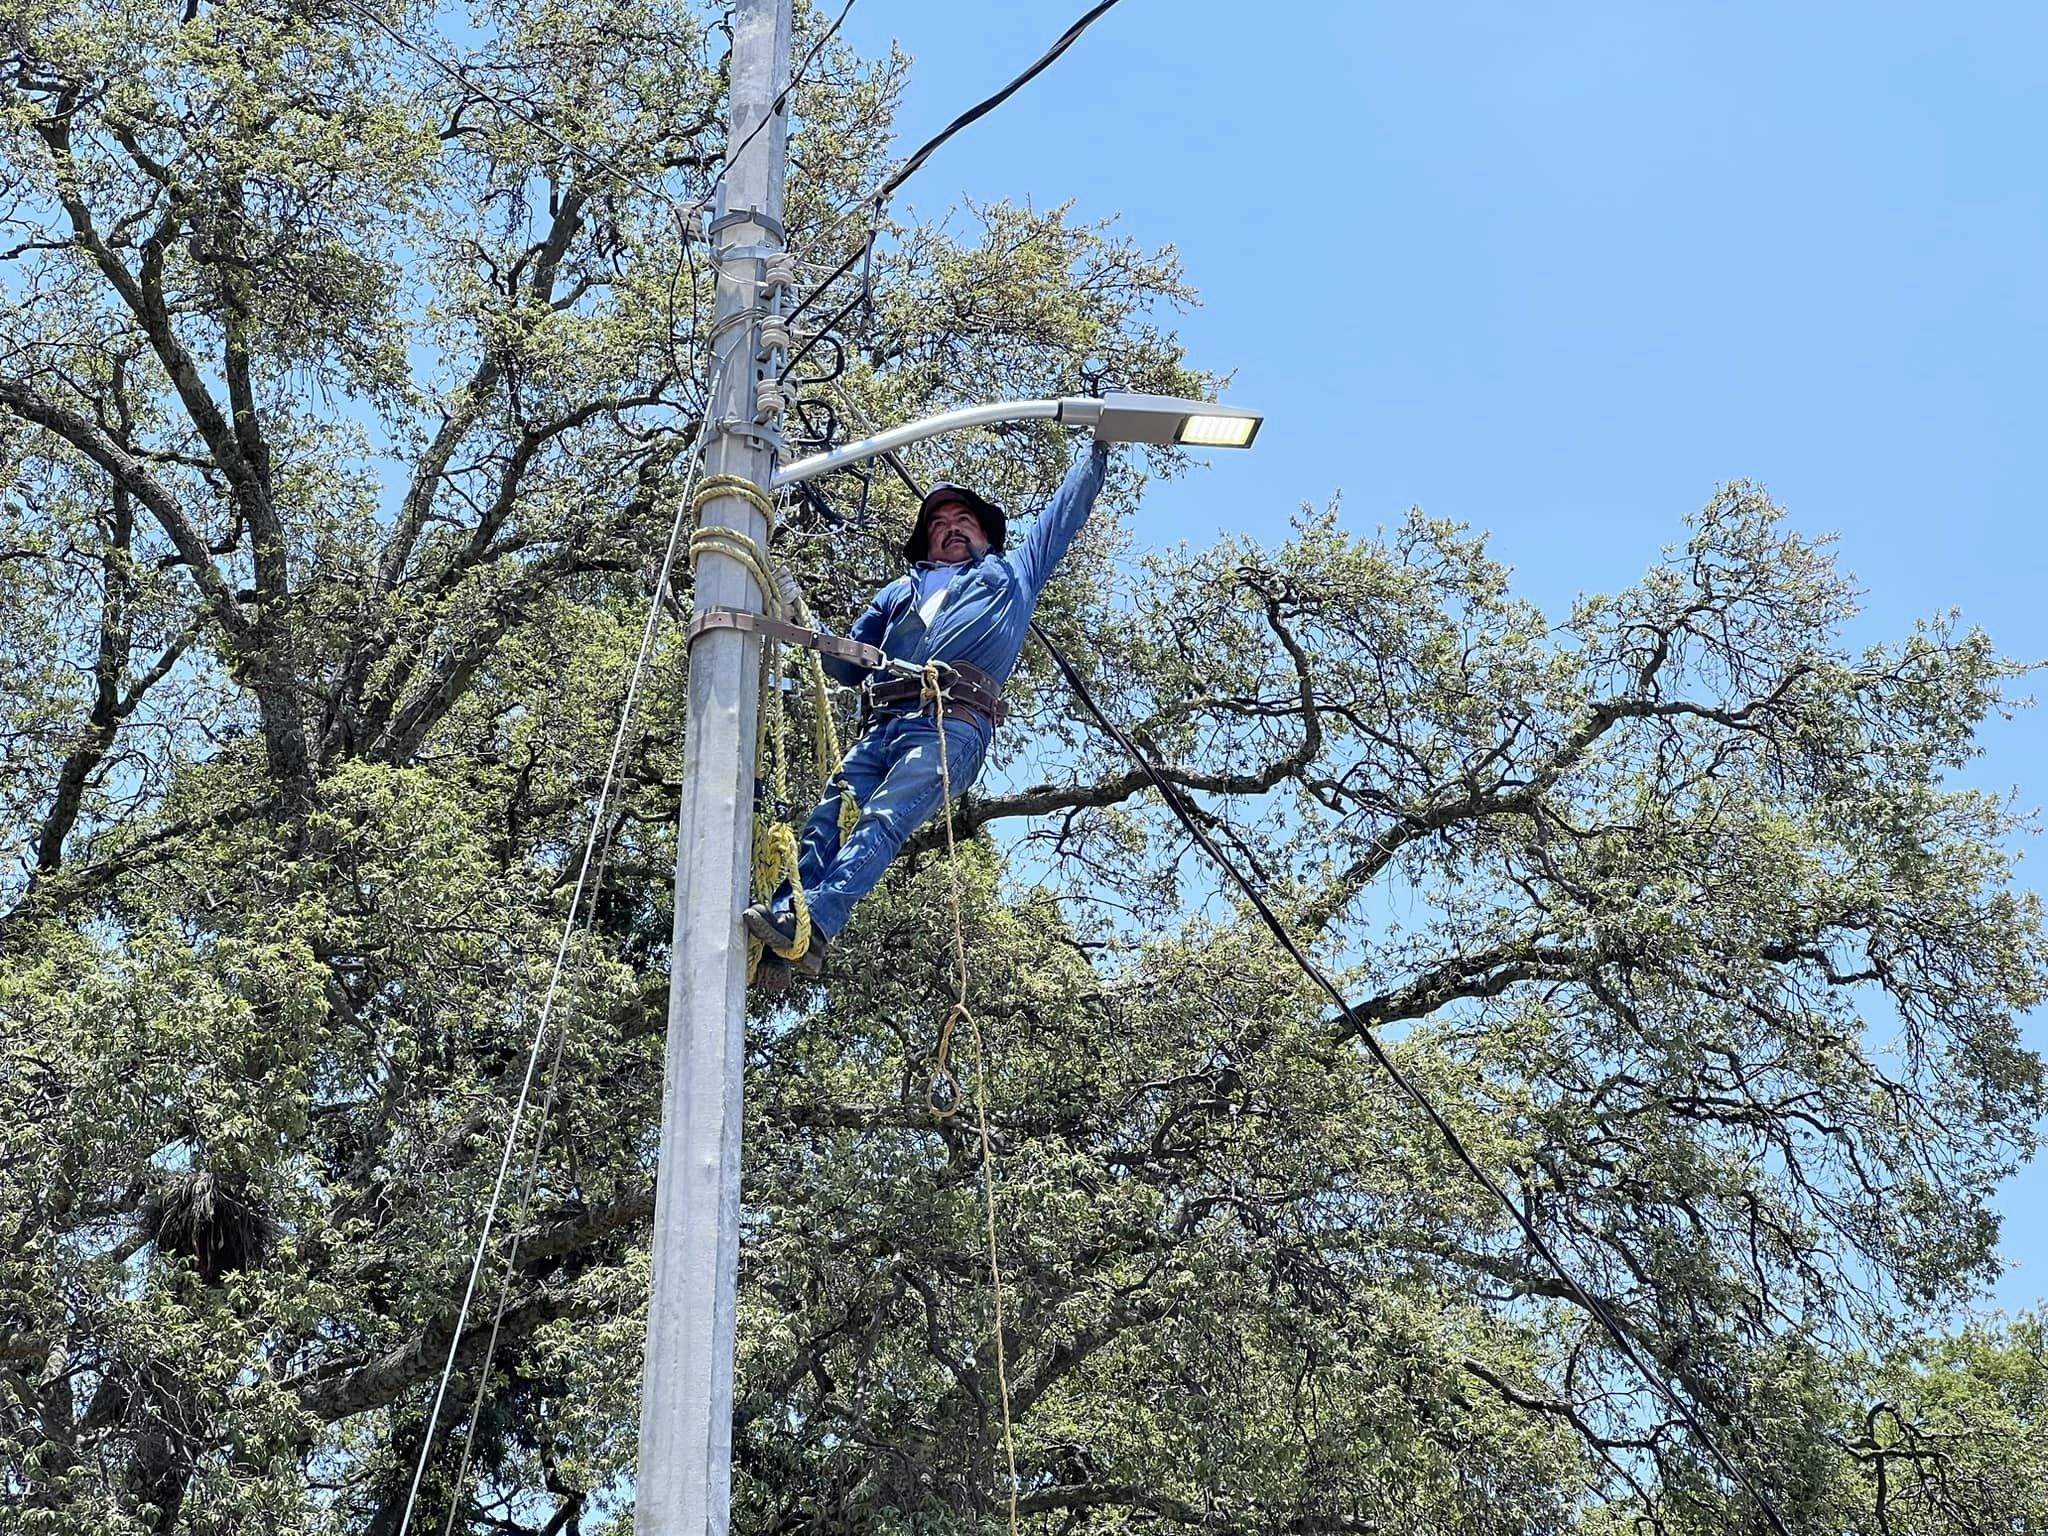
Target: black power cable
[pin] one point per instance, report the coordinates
(982, 108)
(782, 97)
(924, 151)
(1601, 1310)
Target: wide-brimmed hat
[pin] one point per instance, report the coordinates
(994, 525)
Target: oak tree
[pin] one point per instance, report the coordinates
(353, 354)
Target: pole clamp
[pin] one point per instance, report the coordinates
(768, 441)
(866, 656)
(725, 218)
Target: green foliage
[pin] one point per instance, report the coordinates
(343, 412)
(1951, 1427)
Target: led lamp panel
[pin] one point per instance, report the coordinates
(1134, 418)
(1218, 431)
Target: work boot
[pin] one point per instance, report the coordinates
(771, 976)
(772, 928)
(777, 932)
(816, 953)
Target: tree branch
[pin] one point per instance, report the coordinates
(129, 471)
(103, 719)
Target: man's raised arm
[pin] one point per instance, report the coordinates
(1053, 533)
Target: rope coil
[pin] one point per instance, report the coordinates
(942, 1094)
(711, 487)
(776, 857)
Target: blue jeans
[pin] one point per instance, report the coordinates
(894, 771)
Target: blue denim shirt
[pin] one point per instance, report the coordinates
(987, 608)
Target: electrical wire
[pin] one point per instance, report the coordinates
(598, 827)
(879, 198)
(781, 99)
(1599, 1308)
(988, 104)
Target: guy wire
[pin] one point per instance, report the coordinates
(597, 828)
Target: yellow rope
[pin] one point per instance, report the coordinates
(775, 851)
(735, 545)
(714, 486)
(826, 740)
(775, 855)
(934, 692)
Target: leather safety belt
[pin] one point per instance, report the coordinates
(868, 656)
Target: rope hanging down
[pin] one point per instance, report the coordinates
(598, 823)
(935, 695)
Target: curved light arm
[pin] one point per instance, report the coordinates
(1118, 417)
(1073, 413)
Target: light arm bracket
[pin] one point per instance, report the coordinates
(1116, 418)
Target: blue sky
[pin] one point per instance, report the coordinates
(1557, 272)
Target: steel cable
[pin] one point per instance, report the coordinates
(655, 606)
(1598, 1307)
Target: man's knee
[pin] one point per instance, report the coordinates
(891, 822)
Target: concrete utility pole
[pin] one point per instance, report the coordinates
(684, 1481)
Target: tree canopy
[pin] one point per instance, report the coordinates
(352, 358)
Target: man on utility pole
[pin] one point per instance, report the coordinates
(684, 1479)
(966, 605)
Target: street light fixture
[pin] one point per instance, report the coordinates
(1168, 419)
(1116, 418)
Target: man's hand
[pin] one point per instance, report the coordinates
(792, 594)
